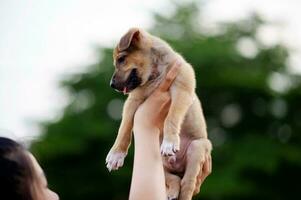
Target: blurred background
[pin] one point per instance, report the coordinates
(56, 63)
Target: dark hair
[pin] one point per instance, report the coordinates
(16, 171)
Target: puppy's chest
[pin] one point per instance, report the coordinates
(149, 89)
(159, 74)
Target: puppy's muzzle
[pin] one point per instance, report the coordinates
(113, 83)
(116, 84)
(128, 85)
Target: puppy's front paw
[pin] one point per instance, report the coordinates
(115, 160)
(170, 147)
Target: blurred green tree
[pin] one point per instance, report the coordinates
(251, 103)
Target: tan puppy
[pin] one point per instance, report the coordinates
(141, 63)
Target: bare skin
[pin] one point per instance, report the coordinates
(148, 180)
(40, 184)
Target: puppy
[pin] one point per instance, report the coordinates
(141, 63)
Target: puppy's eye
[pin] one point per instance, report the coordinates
(121, 60)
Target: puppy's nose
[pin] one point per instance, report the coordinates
(112, 83)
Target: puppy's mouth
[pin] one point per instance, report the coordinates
(132, 82)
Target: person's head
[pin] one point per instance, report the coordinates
(21, 177)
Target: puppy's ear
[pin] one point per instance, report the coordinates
(130, 38)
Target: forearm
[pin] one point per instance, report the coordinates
(148, 176)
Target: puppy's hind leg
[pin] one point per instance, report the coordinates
(173, 184)
(195, 158)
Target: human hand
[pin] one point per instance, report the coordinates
(155, 108)
(206, 168)
(148, 119)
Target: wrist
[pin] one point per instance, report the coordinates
(145, 129)
(147, 140)
(143, 124)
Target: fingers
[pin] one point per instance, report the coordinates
(170, 76)
(210, 164)
(206, 169)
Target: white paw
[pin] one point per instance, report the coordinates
(115, 160)
(172, 197)
(169, 148)
(172, 193)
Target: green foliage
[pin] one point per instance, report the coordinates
(254, 129)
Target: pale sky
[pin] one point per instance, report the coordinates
(41, 41)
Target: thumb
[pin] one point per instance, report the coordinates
(170, 76)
